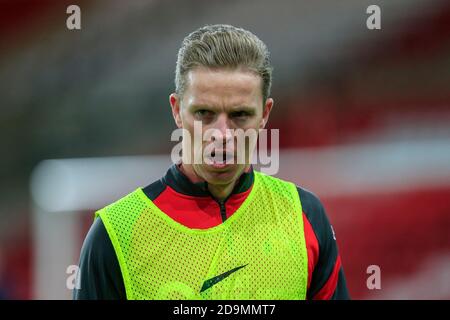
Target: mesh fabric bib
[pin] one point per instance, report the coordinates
(258, 253)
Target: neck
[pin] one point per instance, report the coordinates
(219, 192)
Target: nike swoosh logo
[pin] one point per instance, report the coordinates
(210, 282)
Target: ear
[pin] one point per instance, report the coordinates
(175, 101)
(266, 112)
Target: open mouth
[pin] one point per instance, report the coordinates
(220, 159)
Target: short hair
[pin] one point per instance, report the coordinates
(223, 46)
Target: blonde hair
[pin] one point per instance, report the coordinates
(223, 46)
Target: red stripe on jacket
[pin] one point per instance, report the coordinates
(329, 287)
(312, 246)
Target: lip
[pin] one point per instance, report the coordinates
(219, 164)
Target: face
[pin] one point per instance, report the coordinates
(220, 99)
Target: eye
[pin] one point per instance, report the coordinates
(202, 113)
(240, 115)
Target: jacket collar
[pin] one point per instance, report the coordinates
(176, 179)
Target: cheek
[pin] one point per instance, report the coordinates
(186, 115)
(253, 124)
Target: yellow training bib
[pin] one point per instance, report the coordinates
(258, 253)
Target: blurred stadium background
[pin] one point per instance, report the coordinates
(365, 114)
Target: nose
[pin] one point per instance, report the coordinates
(222, 124)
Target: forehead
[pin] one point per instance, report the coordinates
(223, 87)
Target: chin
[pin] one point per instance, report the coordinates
(218, 176)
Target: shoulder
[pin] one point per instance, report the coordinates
(152, 191)
(316, 214)
(100, 274)
(311, 204)
(129, 204)
(97, 245)
(263, 178)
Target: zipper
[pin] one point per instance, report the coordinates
(223, 211)
(221, 203)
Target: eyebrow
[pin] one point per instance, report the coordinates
(243, 108)
(202, 106)
(232, 109)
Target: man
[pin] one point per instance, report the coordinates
(215, 229)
